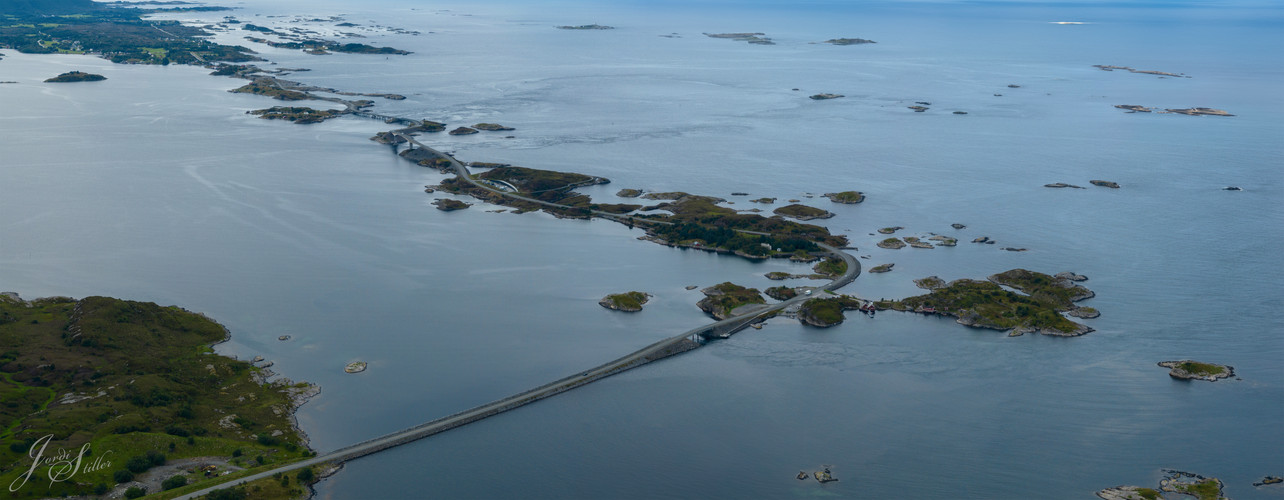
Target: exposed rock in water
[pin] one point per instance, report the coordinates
(1232, 188)
(1105, 184)
(1067, 275)
(945, 241)
(848, 41)
(960, 112)
(629, 193)
(890, 229)
(957, 226)
(1269, 480)
(883, 268)
(492, 127)
(822, 97)
(463, 131)
(1062, 185)
(919, 109)
(1187, 369)
(1084, 312)
(891, 244)
(1014, 249)
(449, 205)
(763, 200)
(753, 38)
(983, 239)
(846, 197)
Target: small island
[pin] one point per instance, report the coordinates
(1187, 369)
(1063, 185)
(802, 212)
(890, 229)
(449, 205)
(781, 292)
(627, 302)
(882, 268)
(753, 38)
(586, 27)
(491, 127)
(846, 197)
(930, 283)
(848, 41)
(76, 76)
(1109, 184)
(463, 131)
(355, 367)
(629, 193)
(891, 244)
(822, 97)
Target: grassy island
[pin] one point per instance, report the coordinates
(139, 386)
(753, 38)
(295, 114)
(802, 212)
(831, 267)
(627, 302)
(76, 76)
(985, 304)
(848, 41)
(1194, 370)
(847, 197)
(463, 131)
(827, 312)
(722, 299)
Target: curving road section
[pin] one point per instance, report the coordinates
(677, 344)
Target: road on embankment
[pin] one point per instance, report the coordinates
(670, 346)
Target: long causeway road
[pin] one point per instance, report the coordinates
(677, 344)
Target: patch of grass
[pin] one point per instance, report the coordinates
(1197, 368)
(1208, 489)
(831, 267)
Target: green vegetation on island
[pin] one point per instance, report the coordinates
(781, 292)
(828, 311)
(629, 193)
(463, 131)
(985, 304)
(891, 244)
(846, 197)
(134, 385)
(831, 267)
(721, 300)
(848, 41)
(627, 302)
(802, 212)
(76, 76)
(295, 114)
(1194, 370)
(1174, 481)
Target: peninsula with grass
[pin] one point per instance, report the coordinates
(136, 389)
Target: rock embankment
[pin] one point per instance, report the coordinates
(1187, 369)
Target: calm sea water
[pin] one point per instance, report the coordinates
(154, 185)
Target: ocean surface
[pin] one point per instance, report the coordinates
(155, 185)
